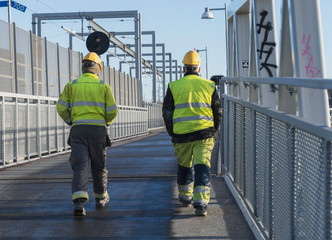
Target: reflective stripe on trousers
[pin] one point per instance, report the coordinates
(201, 195)
(186, 191)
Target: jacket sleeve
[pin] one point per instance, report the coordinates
(111, 108)
(63, 106)
(168, 110)
(216, 109)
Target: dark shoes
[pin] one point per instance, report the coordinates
(101, 202)
(201, 211)
(79, 209)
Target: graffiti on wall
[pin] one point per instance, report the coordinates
(311, 70)
(266, 48)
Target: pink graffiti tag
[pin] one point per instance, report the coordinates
(311, 71)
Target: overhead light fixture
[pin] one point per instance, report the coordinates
(207, 14)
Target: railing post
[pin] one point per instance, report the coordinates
(28, 128)
(16, 132)
(3, 130)
(328, 190)
(291, 155)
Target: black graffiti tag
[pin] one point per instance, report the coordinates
(268, 52)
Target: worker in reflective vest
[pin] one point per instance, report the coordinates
(192, 112)
(87, 105)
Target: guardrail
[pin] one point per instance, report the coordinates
(31, 128)
(154, 115)
(277, 165)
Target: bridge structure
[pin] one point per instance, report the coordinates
(271, 166)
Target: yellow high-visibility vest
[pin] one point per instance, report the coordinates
(192, 99)
(87, 100)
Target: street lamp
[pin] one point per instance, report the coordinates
(208, 14)
(206, 55)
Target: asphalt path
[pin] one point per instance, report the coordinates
(35, 199)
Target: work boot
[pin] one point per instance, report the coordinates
(201, 211)
(185, 202)
(79, 209)
(101, 202)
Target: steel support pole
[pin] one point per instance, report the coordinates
(164, 70)
(138, 53)
(176, 69)
(170, 66)
(154, 77)
(9, 11)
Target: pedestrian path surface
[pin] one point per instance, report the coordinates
(35, 199)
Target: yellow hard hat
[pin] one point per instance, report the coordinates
(92, 56)
(191, 58)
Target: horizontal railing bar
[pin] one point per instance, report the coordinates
(321, 83)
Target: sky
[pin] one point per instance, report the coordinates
(177, 24)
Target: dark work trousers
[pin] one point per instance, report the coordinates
(85, 150)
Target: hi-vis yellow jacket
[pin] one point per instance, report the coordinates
(192, 104)
(88, 101)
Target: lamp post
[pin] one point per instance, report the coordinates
(206, 55)
(208, 15)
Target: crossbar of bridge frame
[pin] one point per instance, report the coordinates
(38, 17)
(162, 45)
(154, 69)
(163, 54)
(176, 66)
(87, 34)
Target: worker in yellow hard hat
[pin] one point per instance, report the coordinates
(88, 106)
(192, 112)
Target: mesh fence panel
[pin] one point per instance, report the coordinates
(262, 170)
(231, 139)
(75, 65)
(43, 131)
(281, 181)
(249, 156)
(60, 132)
(39, 65)
(33, 128)
(2, 162)
(52, 67)
(67, 131)
(10, 142)
(226, 129)
(22, 138)
(310, 186)
(329, 192)
(52, 127)
(64, 67)
(239, 158)
(23, 58)
(287, 177)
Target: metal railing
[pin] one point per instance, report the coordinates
(155, 115)
(31, 128)
(277, 165)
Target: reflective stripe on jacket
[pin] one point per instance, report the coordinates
(192, 101)
(87, 100)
